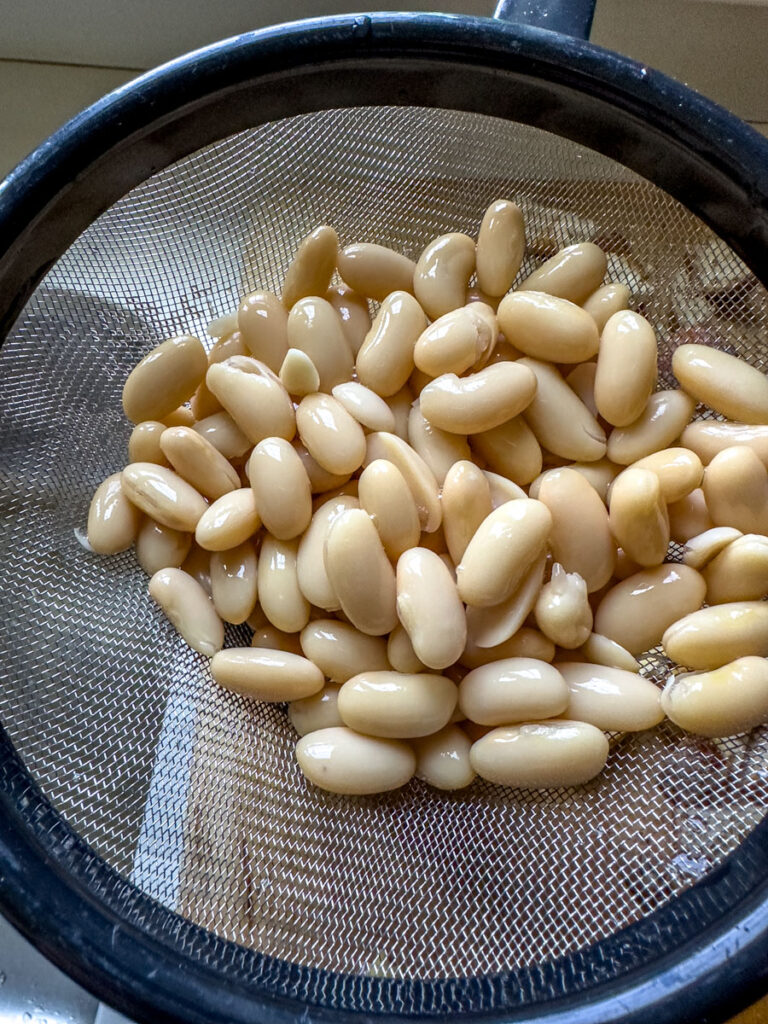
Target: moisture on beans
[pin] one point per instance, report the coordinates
(434, 503)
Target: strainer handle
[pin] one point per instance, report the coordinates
(571, 17)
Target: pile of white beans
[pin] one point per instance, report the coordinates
(448, 527)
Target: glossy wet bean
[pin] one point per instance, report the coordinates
(580, 538)
(440, 449)
(610, 698)
(429, 607)
(660, 424)
(340, 651)
(546, 327)
(315, 329)
(319, 711)
(364, 405)
(713, 636)
(562, 610)
(725, 383)
(442, 760)
(189, 610)
(160, 547)
(387, 499)
(342, 761)
(605, 301)
(263, 324)
(375, 271)
(739, 572)
(573, 273)
(254, 397)
(360, 573)
(727, 701)
(512, 690)
(500, 247)
(163, 495)
(560, 421)
(164, 379)
(311, 268)
(397, 705)
(638, 516)
(540, 755)
(417, 474)
(636, 612)
(266, 675)
(113, 520)
(736, 490)
(442, 274)
(479, 401)
(626, 368)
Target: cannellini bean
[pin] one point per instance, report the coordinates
(400, 406)
(197, 564)
(610, 698)
(181, 417)
(397, 705)
(352, 310)
(162, 495)
(332, 437)
(453, 343)
(725, 383)
(160, 547)
(429, 607)
(342, 761)
(280, 596)
(298, 373)
(313, 577)
(401, 654)
(500, 247)
(254, 397)
(638, 516)
(679, 471)
(562, 611)
(573, 273)
(266, 675)
(203, 403)
(113, 521)
(581, 380)
(601, 650)
(375, 271)
(526, 643)
(263, 324)
(360, 573)
(281, 488)
(320, 711)
(736, 490)
(385, 360)
(417, 474)
(689, 517)
(702, 549)
(636, 612)
(197, 461)
(224, 434)
(438, 448)
(502, 489)
(234, 582)
(164, 379)
(466, 501)
(708, 437)
(312, 266)
(661, 423)
(442, 760)
(512, 690)
(713, 636)
(315, 329)
(144, 443)
(490, 627)
(725, 702)
(547, 327)
(480, 401)
(189, 610)
(273, 639)
(340, 651)
(222, 326)
(626, 368)
(580, 538)
(387, 499)
(229, 345)
(229, 521)
(485, 313)
(561, 423)
(740, 572)
(511, 450)
(605, 301)
(320, 480)
(540, 755)
(365, 406)
(599, 475)
(502, 550)
(442, 274)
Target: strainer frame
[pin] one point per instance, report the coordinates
(717, 166)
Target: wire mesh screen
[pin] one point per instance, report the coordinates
(192, 793)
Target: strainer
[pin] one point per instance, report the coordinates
(156, 838)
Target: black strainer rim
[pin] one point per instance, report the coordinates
(710, 945)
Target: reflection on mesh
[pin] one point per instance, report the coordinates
(192, 793)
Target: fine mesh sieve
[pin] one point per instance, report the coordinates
(176, 808)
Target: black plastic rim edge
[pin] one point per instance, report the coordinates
(729, 965)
